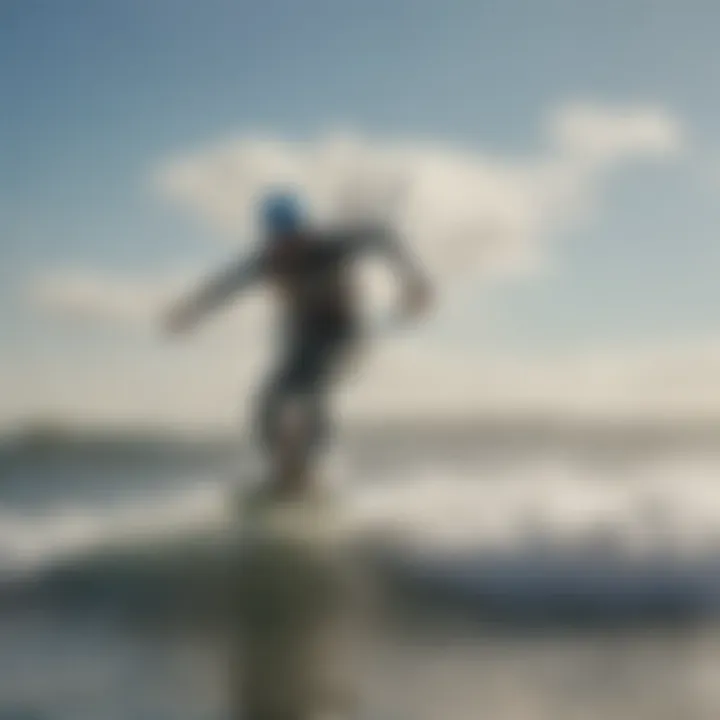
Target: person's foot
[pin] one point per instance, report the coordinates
(292, 479)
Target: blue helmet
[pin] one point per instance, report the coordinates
(281, 212)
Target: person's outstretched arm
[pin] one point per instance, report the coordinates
(186, 313)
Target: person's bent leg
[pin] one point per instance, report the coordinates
(294, 415)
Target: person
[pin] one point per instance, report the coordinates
(311, 270)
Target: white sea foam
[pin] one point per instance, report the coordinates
(671, 507)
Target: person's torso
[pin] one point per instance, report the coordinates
(316, 285)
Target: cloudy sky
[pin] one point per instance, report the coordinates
(555, 164)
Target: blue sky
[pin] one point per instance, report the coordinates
(97, 94)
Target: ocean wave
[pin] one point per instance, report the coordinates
(32, 543)
(538, 535)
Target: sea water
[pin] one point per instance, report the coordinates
(526, 575)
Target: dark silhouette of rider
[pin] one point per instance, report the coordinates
(311, 269)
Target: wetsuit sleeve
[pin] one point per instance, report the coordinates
(220, 287)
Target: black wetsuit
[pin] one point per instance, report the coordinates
(320, 324)
(313, 274)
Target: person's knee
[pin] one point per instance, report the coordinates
(266, 411)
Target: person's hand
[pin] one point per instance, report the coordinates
(417, 297)
(179, 319)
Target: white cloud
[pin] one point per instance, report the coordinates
(214, 383)
(89, 295)
(122, 303)
(460, 208)
(646, 381)
(600, 135)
